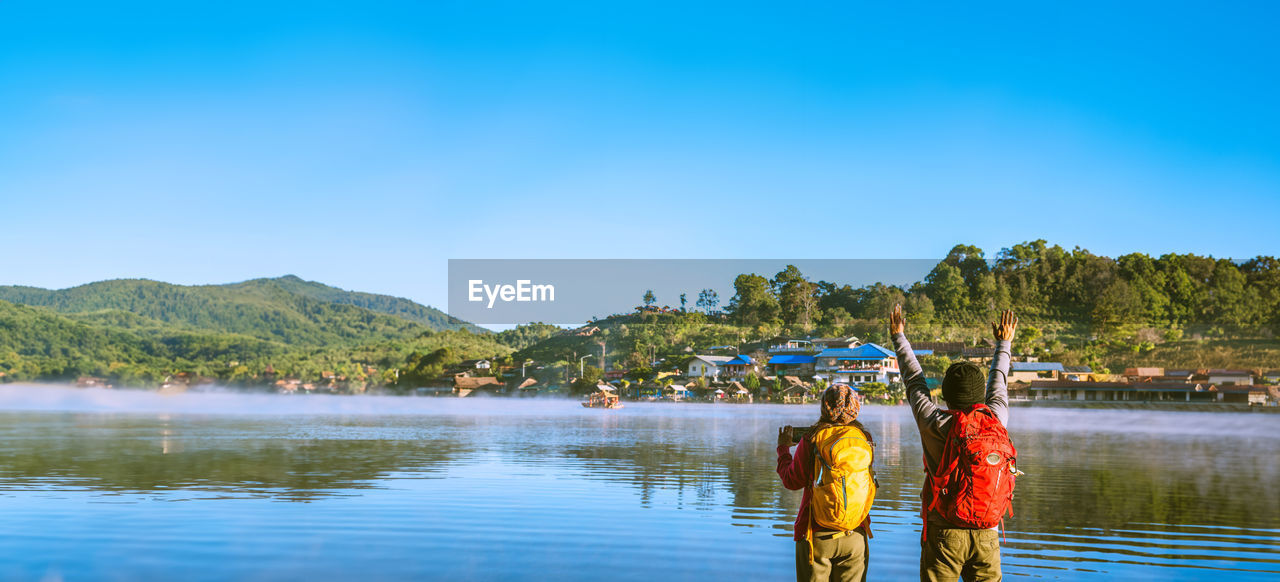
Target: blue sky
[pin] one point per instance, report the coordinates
(364, 144)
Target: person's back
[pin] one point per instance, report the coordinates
(960, 540)
(833, 465)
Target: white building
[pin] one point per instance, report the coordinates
(1231, 377)
(708, 366)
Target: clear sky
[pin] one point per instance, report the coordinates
(362, 144)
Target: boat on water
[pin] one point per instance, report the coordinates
(602, 399)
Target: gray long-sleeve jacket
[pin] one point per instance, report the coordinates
(931, 420)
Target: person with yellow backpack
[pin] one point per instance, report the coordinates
(833, 464)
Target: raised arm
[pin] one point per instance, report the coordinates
(926, 412)
(998, 378)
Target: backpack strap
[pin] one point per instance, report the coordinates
(933, 479)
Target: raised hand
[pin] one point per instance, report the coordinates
(1003, 329)
(897, 323)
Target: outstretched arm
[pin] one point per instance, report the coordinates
(998, 378)
(926, 412)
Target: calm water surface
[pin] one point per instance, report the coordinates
(96, 485)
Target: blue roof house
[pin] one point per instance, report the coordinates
(791, 365)
(854, 366)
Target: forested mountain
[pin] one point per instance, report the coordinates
(138, 332)
(402, 308)
(286, 310)
(37, 343)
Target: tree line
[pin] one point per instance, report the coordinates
(1037, 280)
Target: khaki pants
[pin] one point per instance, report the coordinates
(843, 559)
(950, 553)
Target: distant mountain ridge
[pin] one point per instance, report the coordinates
(390, 305)
(285, 309)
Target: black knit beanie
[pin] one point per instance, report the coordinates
(964, 385)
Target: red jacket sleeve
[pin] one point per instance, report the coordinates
(794, 471)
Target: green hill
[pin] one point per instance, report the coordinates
(287, 310)
(403, 308)
(137, 332)
(40, 344)
(37, 343)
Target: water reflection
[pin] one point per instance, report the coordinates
(1134, 496)
(164, 453)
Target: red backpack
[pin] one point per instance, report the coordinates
(973, 485)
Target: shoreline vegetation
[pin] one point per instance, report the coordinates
(1173, 312)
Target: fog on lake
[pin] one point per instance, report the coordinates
(122, 485)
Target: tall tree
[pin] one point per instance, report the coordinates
(947, 289)
(708, 301)
(752, 303)
(796, 297)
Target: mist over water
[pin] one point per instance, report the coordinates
(132, 485)
(217, 401)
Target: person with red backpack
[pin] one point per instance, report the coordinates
(968, 458)
(833, 465)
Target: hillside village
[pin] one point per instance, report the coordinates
(795, 370)
(1135, 328)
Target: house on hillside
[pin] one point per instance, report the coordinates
(643, 391)
(854, 366)
(738, 367)
(1230, 377)
(1172, 375)
(1032, 371)
(1143, 374)
(1124, 391)
(527, 387)
(1272, 376)
(795, 391)
(1241, 393)
(723, 348)
(464, 386)
(979, 353)
(708, 366)
(837, 342)
(792, 364)
(612, 375)
(476, 365)
(1076, 373)
(780, 345)
(739, 393)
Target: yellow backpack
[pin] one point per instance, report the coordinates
(844, 483)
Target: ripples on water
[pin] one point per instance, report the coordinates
(134, 486)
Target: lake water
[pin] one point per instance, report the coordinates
(103, 485)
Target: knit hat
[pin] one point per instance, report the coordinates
(840, 405)
(964, 385)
